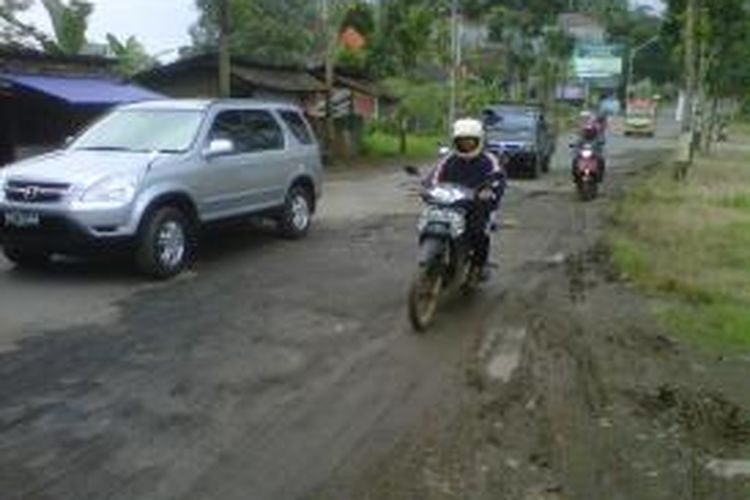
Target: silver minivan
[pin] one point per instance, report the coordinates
(148, 176)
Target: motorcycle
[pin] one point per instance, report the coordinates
(587, 171)
(445, 248)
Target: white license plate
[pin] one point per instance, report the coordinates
(22, 219)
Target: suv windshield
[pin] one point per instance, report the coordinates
(640, 113)
(509, 122)
(143, 130)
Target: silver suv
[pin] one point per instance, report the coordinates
(149, 175)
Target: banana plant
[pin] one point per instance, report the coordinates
(69, 24)
(130, 53)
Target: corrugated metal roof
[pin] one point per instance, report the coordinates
(290, 81)
(83, 91)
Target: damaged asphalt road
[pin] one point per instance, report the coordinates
(283, 370)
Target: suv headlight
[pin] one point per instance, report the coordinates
(115, 190)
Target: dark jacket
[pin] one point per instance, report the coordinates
(471, 172)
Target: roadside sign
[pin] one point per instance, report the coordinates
(598, 61)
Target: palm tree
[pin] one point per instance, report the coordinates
(552, 61)
(69, 23)
(15, 32)
(131, 55)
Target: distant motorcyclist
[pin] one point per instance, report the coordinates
(596, 122)
(591, 134)
(469, 165)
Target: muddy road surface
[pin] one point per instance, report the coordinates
(285, 370)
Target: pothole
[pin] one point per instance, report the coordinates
(506, 355)
(702, 413)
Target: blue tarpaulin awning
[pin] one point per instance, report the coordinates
(83, 91)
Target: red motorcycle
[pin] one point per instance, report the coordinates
(587, 171)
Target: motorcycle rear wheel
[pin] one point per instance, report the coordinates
(423, 299)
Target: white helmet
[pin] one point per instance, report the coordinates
(468, 128)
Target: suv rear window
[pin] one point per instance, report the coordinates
(298, 126)
(249, 130)
(509, 121)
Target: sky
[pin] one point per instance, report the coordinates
(656, 4)
(160, 25)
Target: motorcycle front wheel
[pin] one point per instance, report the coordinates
(587, 190)
(423, 299)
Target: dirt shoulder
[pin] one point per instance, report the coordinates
(575, 390)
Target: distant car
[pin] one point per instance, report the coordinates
(640, 118)
(148, 176)
(521, 133)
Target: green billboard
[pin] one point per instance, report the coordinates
(593, 61)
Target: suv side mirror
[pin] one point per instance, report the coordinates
(218, 147)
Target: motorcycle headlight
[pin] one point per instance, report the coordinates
(587, 154)
(115, 190)
(455, 221)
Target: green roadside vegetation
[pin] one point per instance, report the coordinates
(384, 145)
(688, 244)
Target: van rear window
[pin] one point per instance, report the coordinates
(297, 126)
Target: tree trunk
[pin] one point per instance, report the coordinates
(225, 69)
(402, 143)
(687, 138)
(702, 117)
(712, 128)
(330, 123)
(330, 48)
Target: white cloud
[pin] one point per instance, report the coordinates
(657, 5)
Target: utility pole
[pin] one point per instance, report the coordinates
(631, 63)
(225, 63)
(455, 42)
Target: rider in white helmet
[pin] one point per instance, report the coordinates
(468, 138)
(470, 165)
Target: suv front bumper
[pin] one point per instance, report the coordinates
(67, 229)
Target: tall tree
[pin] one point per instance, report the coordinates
(516, 31)
(15, 32)
(405, 35)
(282, 31)
(131, 55)
(717, 53)
(69, 23)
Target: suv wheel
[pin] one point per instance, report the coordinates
(296, 216)
(535, 167)
(166, 243)
(26, 257)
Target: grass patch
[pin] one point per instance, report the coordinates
(720, 326)
(741, 128)
(381, 145)
(689, 243)
(740, 201)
